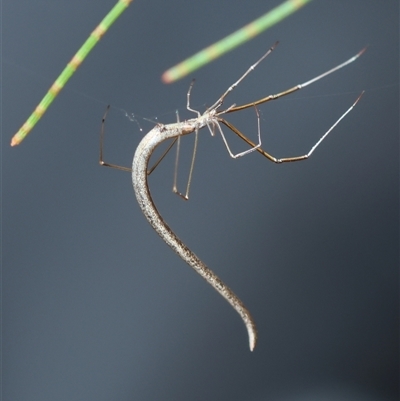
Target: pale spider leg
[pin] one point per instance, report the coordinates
(211, 121)
(178, 148)
(246, 152)
(196, 138)
(175, 187)
(219, 102)
(234, 108)
(212, 111)
(140, 184)
(295, 88)
(295, 158)
(188, 99)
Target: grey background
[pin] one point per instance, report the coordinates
(97, 307)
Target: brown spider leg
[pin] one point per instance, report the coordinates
(175, 187)
(101, 161)
(162, 156)
(288, 159)
(122, 168)
(295, 88)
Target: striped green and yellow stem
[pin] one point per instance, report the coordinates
(233, 40)
(68, 71)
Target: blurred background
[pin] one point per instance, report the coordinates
(96, 306)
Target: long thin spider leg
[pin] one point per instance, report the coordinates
(334, 125)
(188, 99)
(295, 158)
(177, 139)
(175, 188)
(219, 102)
(178, 149)
(101, 161)
(252, 149)
(295, 88)
(122, 168)
(162, 156)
